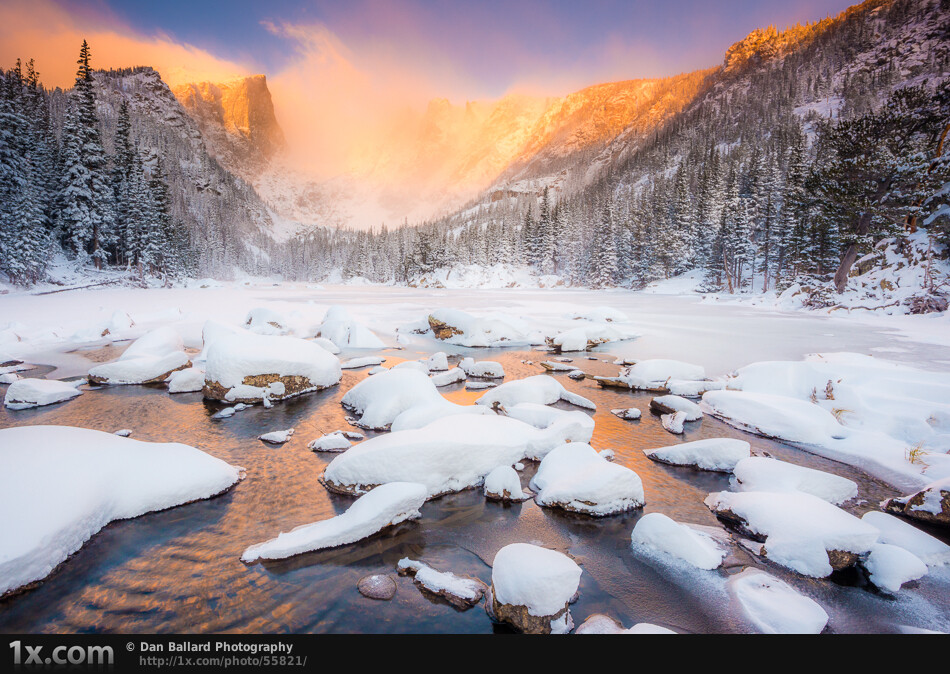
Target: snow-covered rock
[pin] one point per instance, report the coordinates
(715, 454)
(277, 437)
(690, 543)
(460, 591)
(331, 442)
(532, 588)
(540, 389)
(463, 329)
(576, 478)
(930, 504)
(488, 369)
(437, 362)
(155, 343)
(384, 396)
(653, 374)
(65, 484)
(671, 404)
(585, 337)
(365, 361)
(775, 416)
(9, 377)
(341, 329)
(543, 416)
(503, 484)
(599, 623)
(930, 550)
(692, 389)
(449, 377)
(149, 359)
(601, 315)
(26, 393)
(385, 506)
(674, 423)
(775, 607)
(448, 455)
(627, 413)
(265, 321)
(759, 473)
(890, 566)
(248, 367)
(188, 380)
(800, 531)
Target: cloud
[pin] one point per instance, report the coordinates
(48, 33)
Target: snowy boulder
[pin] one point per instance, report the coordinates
(65, 484)
(932, 551)
(671, 404)
(674, 423)
(488, 369)
(341, 329)
(930, 504)
(331, 442)
(532, 588)
(775, 607)
(25, 393)
(277, 437)
(599, 623)
(265, 321)
(540, 389)
(412, 365)
(587, 337)
(437, 362)
(801, 532)
(543, 416)
(627, 413)
(759, 473)
(149, 360)
(448, 455)
(461, 592)
(385, 506)
(463, 329)
(424, 414)
(576, 478)
(189, 380)
(381, 398)
(449, 377)
(9, 377)
(503, 484)
(693, 544)
(775, 416)
(248, 367)
(890, 566)
(715, 454)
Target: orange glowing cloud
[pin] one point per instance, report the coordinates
(45, 32)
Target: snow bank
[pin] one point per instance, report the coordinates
(800, 530)
(538, 581)
(776, 416)
(601, 315)
(25, 393)
(759, 473)
(890, 566)
(65, 484)
(448, 455)
(540, 389)
(489, 369)
(576, 478)
(716, 454)
(341, 329)
(155, 343)
(682, 541)
(932, 551)
(239, 363)
(775, 607)
(383, 507)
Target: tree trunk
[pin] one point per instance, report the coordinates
(851, 254)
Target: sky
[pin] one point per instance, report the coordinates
(347, 65)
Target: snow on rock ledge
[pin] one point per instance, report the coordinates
(930, 504)
(461, 592)
(448, 455)
(532, 588)
(385, 506)
(25, 393)
(576, 478)
(248, 367)
(715, 454)
(800, 531)
(775, 607)
(65, 484)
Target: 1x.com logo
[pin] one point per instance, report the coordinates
(61, 655)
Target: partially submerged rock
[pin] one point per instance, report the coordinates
(671, 404)
(150, 359)
(488, 369)
(714, 454)
(674, 423)
(503, 484)
(532, 588)
(331, 442)
(930, 504)
(889, 566)
(277, 437)
(695, 545)
(540, 389)
(930, 550)
(627, 413)
(775, 607)
(462, 592)
(25, 393)
(378, 586)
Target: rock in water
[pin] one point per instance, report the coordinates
(378, 586)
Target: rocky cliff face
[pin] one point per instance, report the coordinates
(237, 120)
